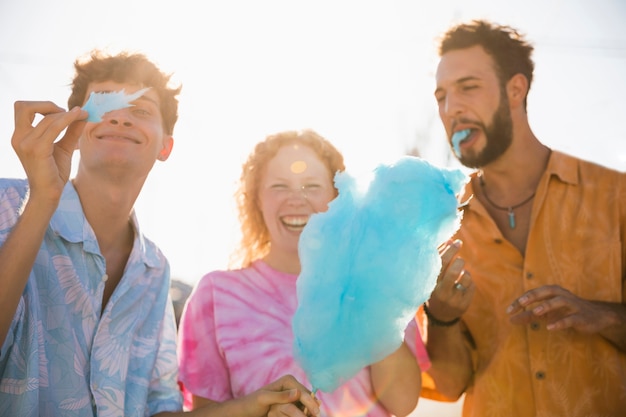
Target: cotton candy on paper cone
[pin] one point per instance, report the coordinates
(368, 263)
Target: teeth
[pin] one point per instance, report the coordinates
(459, 137)
(295, 221)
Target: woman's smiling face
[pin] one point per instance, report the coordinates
(296, 184)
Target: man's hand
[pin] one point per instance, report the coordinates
(454, 290)
(47, 162)
(562, 310)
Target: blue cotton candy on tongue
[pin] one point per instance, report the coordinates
(368, 263)
(457, 138)
(100, 103)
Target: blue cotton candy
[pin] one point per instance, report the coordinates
(100, 103)
(368, 263)
(457, 138)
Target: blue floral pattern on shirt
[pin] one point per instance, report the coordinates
(64, 355)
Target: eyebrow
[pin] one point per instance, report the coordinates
(468, 78)
(147, 99)
(309, 177)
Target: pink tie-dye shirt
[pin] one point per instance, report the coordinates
(236, 336)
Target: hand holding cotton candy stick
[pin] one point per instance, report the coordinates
(100, 103)
(368, 263)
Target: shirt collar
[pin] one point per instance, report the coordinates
(69, 222)
(564, 167)
(560, 165)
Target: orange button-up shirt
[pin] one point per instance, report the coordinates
(577, 240)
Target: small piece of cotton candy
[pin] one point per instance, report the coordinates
(100, 103)
(368, 263)
(457, 138)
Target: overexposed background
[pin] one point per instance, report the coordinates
(360, 72)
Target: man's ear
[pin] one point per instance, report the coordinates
(517, 89)
(166, 150)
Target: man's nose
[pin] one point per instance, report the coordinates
(118, 117)
(452, 105)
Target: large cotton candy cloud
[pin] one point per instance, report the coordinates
(368, 263)
(100, 103)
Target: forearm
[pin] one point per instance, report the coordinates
(397, 381)
(17, 256)
(233, 407)
(285, 397)
(451, 363)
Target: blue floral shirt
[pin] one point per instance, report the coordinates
(64, 355)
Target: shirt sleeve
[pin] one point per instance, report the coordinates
(428, 384)
(413, 339)
(164, 394)
(10, 337)
(11, 198)
(203, 369)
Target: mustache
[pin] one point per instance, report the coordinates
(465, 121)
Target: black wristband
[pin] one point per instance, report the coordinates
(436, 322)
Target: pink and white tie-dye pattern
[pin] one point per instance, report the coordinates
(236, 336)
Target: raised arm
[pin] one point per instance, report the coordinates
(451, 365)
(47, 165)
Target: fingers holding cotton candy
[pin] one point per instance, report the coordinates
(368, 263)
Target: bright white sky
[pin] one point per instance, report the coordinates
(358, 72)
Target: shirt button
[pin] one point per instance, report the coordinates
(540, 375)
(529, 275)
(534, 325)
(105, 277)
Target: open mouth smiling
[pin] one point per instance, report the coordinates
(294, 222)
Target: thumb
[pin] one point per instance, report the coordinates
(70, 139)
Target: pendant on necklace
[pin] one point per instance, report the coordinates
(511, 218)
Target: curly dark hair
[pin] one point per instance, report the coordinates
(125, 67)
(508, 48)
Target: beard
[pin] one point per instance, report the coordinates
(499, 135)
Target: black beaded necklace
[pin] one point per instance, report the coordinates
(508, 209)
